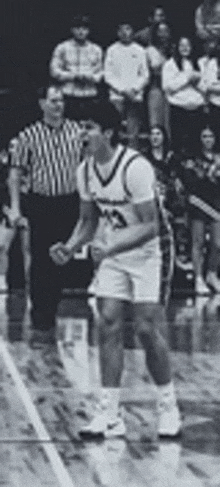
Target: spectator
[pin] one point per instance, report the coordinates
(165, 163)
(23, 224)
(210, 82)
(50, 149)
(77, 64)
(207, 19)
(157, 53)
(126, 74)
(200, 174)
(144, 36)
(180, 81)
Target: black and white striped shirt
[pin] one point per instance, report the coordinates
(50, 155)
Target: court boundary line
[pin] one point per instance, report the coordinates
(47, 444)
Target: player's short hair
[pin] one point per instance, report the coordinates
(105, 114)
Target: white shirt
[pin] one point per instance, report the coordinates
(125, 68)
(175, 85)
(209, 79)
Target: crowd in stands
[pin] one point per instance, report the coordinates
(167, 92)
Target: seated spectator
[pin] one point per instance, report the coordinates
(144, 36)
(157, 53)
(77, 65)
(180, 82)
(210, 81)
(207, 19)
(201, 178)
(126, 74)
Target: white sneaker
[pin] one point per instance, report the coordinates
(213, 281)
(103, 425)
(169, 424)
(200, 286)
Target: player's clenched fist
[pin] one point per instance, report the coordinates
(99, 251)
(60, 253)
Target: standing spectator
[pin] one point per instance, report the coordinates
(144, 36)
(207, 19)
(126, 74)
(180, 81)
(200, 176)
(157, 53)
(210, 81)
(77, 64)
(50, 150)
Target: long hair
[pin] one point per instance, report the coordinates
(166, 142)
(177, 57)
(155, 40)
(216, 145)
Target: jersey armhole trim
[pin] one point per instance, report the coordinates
(124, 181)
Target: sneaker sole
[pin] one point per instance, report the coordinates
(169, 436)
(102, 434)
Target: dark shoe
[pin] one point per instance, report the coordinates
(40, 338)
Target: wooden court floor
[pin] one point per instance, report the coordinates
(45, 395)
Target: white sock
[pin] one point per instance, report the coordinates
(110, 399)
(167, 393)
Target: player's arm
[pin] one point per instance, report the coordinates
(83, 233)
(133, 236)
(85, 228)
(140, 233)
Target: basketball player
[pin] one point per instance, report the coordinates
(119, 216)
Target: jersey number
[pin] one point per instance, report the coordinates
(116, 219)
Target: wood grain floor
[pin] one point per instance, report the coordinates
(47, 394)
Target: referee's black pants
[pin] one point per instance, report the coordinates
(51, 220)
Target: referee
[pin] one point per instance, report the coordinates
(49, 150)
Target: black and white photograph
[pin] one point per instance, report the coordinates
(110, 243)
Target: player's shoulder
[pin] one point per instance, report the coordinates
(138, 158)
(82, 168)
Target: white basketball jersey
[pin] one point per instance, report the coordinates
(112, 196)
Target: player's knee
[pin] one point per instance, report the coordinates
(151, 319)
(109, 312)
